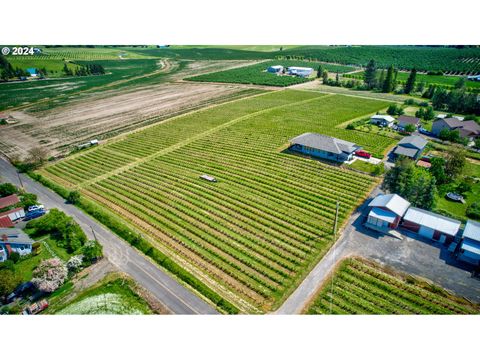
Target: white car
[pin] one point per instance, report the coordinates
(36, 207)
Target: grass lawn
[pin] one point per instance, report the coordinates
(458, 209)
(360, 286)
(113, 295)
(363, 166)
(25, 267)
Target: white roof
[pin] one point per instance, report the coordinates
(299, 68)
(383, 117)
(472, 230)
(432, 221)
(471, 246)
(392, 202)
(276, 67)
(441, 116)
(381, 214)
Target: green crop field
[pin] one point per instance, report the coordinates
(364, 287)
(252, 235)
(257, 74)
(443, 80)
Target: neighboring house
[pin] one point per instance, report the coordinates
(13, 214)
(300, 71)
(470, 246)
(410, 146)
(430, 225)
(275, 69)
(9, 201)
(382, 120)
(32, 72)
(6, 222)
(14, 240)
(404, 120)
(467, 129)
(387, 211)
(324, 147)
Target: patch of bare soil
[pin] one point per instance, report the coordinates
(100, 115)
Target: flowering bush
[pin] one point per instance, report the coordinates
(74, 263)
(50, 275)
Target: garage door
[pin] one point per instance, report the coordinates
(427, 232)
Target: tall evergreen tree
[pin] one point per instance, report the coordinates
(388, 83)
(410, 84)
(381, 80)
(320, 71)
(370, 74)
(325, 76)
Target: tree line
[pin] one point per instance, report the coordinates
(84, 70)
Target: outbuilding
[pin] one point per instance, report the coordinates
(387, 211)
(430, 225)
(410, 146)
(300, 71)
(14, 214)
(323, 146)
(275, 69)
(404, 120)
(382, 120)
(32, 72)
(9, 201)
(470, 247)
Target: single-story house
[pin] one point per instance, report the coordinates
(467, 129)
(32, 72)
(275, 69)
(430, 225)
(323, 146)
(13, 214)
(300, 71)
(404, 120)
(410, 146)
(9, 201)
(382, 120)
(14, 240)
(387, 211)
(470, 246)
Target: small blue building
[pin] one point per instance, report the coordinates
(470, 247)
(275, 69)
(300, 71)
(32, 72)
(323, 146)
(14, 240)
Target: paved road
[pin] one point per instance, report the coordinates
(168, 291)
(413, 255)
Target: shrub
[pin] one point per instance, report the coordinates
(9, 280)
(394, 109)
(73, 197)
(7, 189)
(75, 263)
(92, 251)
(14, 256)
(50, 275)
(350, 127)
(473, 210)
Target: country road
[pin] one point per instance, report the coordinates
(175, 297)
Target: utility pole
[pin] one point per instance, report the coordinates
(93, 232)
(20, 180)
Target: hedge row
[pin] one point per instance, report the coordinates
(141, 244)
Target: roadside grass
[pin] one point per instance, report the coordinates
(360, 286)
(114, 295)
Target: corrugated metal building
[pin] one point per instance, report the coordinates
(430, 225)
(470, 247)
(387, 211)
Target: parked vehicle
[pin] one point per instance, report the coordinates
(34, 214)
(36, 207)
(455, 197)
(363, 154)
(36, 308)
(208, 178)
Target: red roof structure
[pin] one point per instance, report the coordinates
(8, 201)
(6, 222)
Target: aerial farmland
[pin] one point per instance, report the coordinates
(185, 155)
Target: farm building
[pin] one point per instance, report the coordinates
(470, 247)
(300, 71)
(404, 120)
(410, 146)
(9, 201)
(32, 72)
(275, 69)
(14, 240)
(387, 211)
(13, 214)
(325, 147)
(6, 222)
(382, 120)
(473, 77)
(467, 129)
(430, 225)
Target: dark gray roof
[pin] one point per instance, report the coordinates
(416, 141)
(14, 236)
(410, 152)
(404, 119)
(325, 143)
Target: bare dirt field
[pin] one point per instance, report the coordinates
(103, 114)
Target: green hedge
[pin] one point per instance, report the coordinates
(141, 244)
